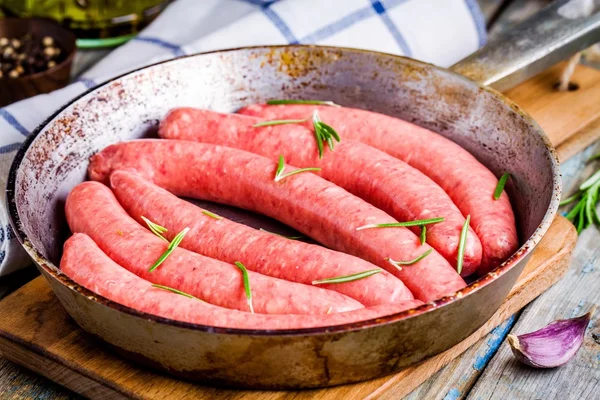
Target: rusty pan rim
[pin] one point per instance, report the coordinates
(525, 249)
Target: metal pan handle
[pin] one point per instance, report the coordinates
(548, 37)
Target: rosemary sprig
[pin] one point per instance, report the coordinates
(174, 243)
(569, 200)
(283, 236)
(323, 132)
(423, 236)
(279, 122)
(155, 228)
(500, 185)
(313, 102)
(461, 244)
(347, 278)
(247, 288)
(584, 213)
(170, 289)
(594, 157)
(418, 222)
(279, 174)
(211, 214)
(398, 264)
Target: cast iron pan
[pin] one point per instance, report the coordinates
(54, 159)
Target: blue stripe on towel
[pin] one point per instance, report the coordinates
(338, 25)
(87, 82)
(376, 8)
(9, 148)
(280, 24)
(12, 121)
(175, 49)
(262, 3)
(478, 19)
(381, 11)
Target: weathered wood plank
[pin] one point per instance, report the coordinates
(457, 378)
(17, 383)
(504, 378)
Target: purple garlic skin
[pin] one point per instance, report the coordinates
(553, 345)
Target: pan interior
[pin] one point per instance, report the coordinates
(131, 107)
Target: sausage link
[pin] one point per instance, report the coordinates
(262, 252)
(87, 265)
(468, 182)
(384, 181)
(306, 202)
(91, 208)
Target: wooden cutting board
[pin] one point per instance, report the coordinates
(37, 333)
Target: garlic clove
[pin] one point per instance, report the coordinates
(552, 345)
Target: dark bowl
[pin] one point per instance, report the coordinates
(16, 89)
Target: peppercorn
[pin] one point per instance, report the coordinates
(28, 55)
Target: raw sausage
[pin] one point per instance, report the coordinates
(92, 209)
(468, 182)
(384, 181)
(87, 265)
(262, 252)
(306, 202)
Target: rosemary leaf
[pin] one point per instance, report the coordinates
(398, 264)
(423, 236)
(313, 102)
(279, 122)
(330, 143)
(330, 131)
(500, 186)
(283, 236)
(211, 214)
(580, 221)
(589, 182)
(172, 246)
(594, 157)
(279, 175)
(418, 222)
(247, 288)
(574, 212)
(461, 244)
(347, 278)
(319, 138)
(155, 228)
(584, 213)
(280, 166)
(170, 289)
(569, 200)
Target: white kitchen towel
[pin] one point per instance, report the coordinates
(437, 31)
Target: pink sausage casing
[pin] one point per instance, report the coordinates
(262, 252)
(468, 182)
(91, 208)
(87, 265)
(371, 174)
(306, 202)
